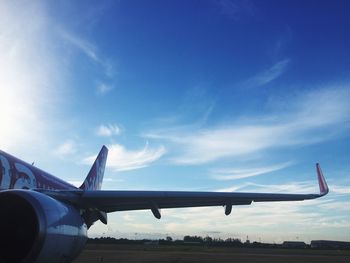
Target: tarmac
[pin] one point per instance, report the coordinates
(176, 254)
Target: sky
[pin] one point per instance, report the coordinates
(216, 95)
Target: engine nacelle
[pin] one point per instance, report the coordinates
(37, 228)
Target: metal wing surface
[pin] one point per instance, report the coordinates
(111, 201)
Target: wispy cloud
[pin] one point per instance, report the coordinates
(108, 130)
(91, 51)
(75, 183)
(290, 187)
(103, 88)
(301, 217)
(268, 75)
(340, 189)
(236, 9)
(83, 45)
(265, 220)
(122, 159)
(269, 214)
(341, 205)
(234, 173)
(310, 118)
(67, 148)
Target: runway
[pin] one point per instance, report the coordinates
(169, 254)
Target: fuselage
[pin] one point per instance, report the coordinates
(17, 174)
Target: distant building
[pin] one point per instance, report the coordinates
(293, 244)
(329, 244)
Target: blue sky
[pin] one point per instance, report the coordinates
(187, 95)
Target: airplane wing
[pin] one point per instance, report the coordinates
(111, 201)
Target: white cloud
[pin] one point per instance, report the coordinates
(103, 88)
(128, 217)
(340, 189)
(272, 221)
(108, 130)
(236, 10)
(234, 173)
(305, 217)
(121, 159)
(311, 118)
(75, 183)
(268, 75)
(30, 74)
(85, 46)
(108, 179)
(67, 148)
(91, 51)
(290, 187)
(341, 205)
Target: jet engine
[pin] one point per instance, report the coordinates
(37, 228)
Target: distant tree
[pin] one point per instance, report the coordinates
(218, 240)
(233, 240)
(208, 239)
(193, 239)
(169, 239)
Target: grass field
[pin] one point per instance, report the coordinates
(179, 254)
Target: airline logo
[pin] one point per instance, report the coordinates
(17, 177)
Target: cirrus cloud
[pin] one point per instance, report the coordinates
(108, 130)
(234, 174)
(309, 118)
(122, 159)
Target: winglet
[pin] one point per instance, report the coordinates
(94, 178)
(321, 181)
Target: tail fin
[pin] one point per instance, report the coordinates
(93, 180)
(321, 181)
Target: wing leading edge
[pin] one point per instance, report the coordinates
(111, 201)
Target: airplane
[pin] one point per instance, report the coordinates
(45, 219)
